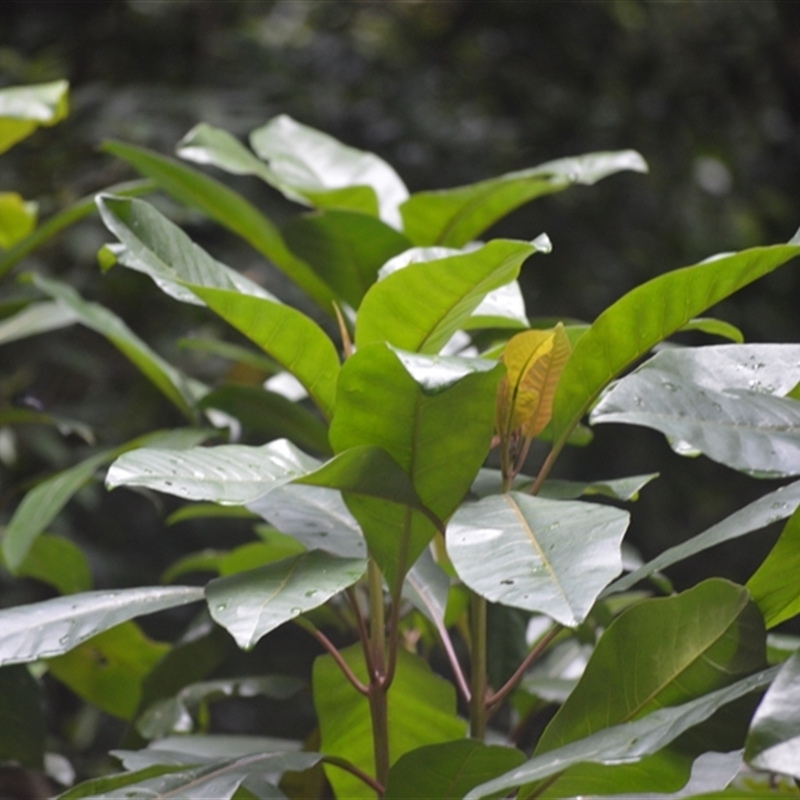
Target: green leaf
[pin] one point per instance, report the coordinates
(229, 209)
(233, 474)
(427, 587)
(434, 417)
(453, 217)
(770, 508)
(43, 503)
(109, 669)
(718, 401)
(551, 556)
(171, 382)
(174, 714)
(419, 307)
(714, 327)
(59, 562)
(233, 352)
(17, 218)
(25, 108)
(295, 341)
(773, 743)
(447, 771)
(628, 742)
(36, 318)
(662, 652)
(502, 308)
(52, 627)
(257, 554)
(251, 604)
(206, 511)
(345, 248)
(316, 517)
(422, 711)
(24, 729)
(270, 415)
(648, 314)
(774, 586)
(316, 169)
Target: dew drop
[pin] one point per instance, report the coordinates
(311, 592)
(221, 606)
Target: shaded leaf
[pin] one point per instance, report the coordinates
(109, 669)
(251, 604)
(648, 314)
(229, 209)
(662, 652)
(770, 508)
(419, 307)
(448, 770)
(24, 729)
(628, 742)
(316, 169)
(427, 587)
(453, 217)
(773, 743)
(550, 556)
(36, 318)
(774, 586)
(422, 711)
(59, 562)
(52, 627)
(25, 108)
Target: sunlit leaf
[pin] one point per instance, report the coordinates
(422, 711)
(251, 604)
(25, 108)
(453, 217)
(52, 627)
(17, 217)
(648, 314)
(714, 327)
(315, 169)
(550, 556)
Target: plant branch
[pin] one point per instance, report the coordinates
(337, 656)
(447, 643)
(554, 453)
(378, 699)
(363, 634)
(477, 715)
(344, 764)
(397, 595)
(495, 699)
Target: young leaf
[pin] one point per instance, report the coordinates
(448, 771)
(773, 743)
(316, 169)
(109, 669)
(233, 474)
(772, 507)
(24, 108)
(648, 314)
(17, 218)
(345, 248)
(550, 556)
(419, 308)
(662, 652)
(454, 217)
(774, 586)
(628, 742)
(434, 418)
(229, 209)
(251, 604)
(52, 627)
(422, 710)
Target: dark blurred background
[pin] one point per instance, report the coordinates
(449, 92)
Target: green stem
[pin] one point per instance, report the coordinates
(477, 716)
(378, 698)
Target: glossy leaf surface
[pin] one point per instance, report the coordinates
(109, 669)
(453, 217)
(25, 108)
(662, 652)
(314, 168)
(771, 508)
(628, 742)
(774, 586)
(448, 771)
(550, 556)
(422, 711)
(434, 418)
(419, 308)
(251, 604)
(228, 208)
(718, 401)
(52, 627)
(648, 314)
(773, 743)
(232, 474)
